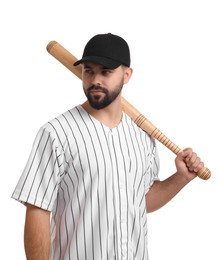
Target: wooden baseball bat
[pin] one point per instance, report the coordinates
(68, 59)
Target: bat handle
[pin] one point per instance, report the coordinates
(151, 129)
(204, 173)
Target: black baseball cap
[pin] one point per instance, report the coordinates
(108, 50)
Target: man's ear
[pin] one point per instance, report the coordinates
(127, 74)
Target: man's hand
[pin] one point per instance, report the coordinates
(188, 163)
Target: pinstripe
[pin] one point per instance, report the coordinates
(85, 245)
(138, 241)
(51, 198)
(27, 175)
(73, 136)
(119, 192)
(135, 152)
(72, 213)
(43, 197)
(93, 179)
(99, 210)
(106, 200)
(35, 175)
(126, 184)
(39, 185)
(98, 174)
(59, 139)
(61, 230)
(91, 205)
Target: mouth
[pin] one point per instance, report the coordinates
(95, 90)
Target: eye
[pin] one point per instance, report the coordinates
(88, 71)
(106, 72)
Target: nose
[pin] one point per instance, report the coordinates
(96, 80)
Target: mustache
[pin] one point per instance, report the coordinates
(94, 87)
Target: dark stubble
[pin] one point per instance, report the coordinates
(98, 101)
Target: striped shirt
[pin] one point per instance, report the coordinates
(93, 179)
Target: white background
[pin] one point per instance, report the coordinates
(176, 57)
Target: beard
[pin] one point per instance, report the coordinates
(101, 101)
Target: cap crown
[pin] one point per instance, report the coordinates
(107, 49)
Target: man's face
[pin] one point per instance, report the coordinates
(101, 85)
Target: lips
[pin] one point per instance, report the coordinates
(96, 91)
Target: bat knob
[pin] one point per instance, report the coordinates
(204, 174)
(50, 45)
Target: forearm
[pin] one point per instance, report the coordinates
(162, 192)
(37, 234)
(187, 164)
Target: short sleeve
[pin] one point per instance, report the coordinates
(152, 173)
(40, 179)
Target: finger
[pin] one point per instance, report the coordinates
(187, 154)
(195, 164)
(191, 159)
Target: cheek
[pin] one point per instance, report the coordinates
(86, 76)
(113, 81)
(86, 81)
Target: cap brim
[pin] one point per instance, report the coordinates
(108, 63)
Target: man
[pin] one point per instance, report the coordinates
(92, 174)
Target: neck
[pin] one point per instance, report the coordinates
(109, 116)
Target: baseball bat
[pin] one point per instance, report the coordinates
(68, 59)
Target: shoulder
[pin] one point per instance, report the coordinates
(66, 123)
(59, 123)
(60, 119)
(130, 122)
(139, 131)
